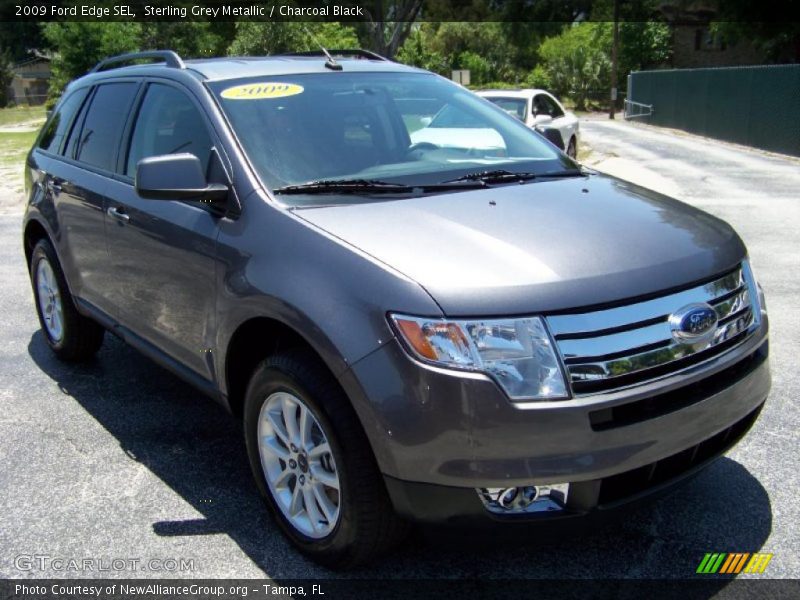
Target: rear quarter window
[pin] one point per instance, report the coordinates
(56, 129)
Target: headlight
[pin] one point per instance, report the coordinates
(517, 353)
(757, 300)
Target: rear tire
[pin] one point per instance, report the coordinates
(70, 335)
(362, 523)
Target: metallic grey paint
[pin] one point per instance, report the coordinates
(178, 282)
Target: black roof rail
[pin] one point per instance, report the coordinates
(168, 56)
(353, 52)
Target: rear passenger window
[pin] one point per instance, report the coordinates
(168, 123)
(58, 126)
(100, 134)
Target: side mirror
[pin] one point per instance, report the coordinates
(425, 121)
(552, 135)
(176, 177)
(541, 119)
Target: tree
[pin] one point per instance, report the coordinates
(576, 62)
(80, 46)
(778, 40)
(20, 39)
(6, 75)
(480, 47)
(417, 50)
(390, 23)
(256, 39)
(189, 39)
(643, 45)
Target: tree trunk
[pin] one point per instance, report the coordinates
(388, 27)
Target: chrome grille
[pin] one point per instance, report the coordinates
(607, 349)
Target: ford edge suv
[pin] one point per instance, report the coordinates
(452, 332)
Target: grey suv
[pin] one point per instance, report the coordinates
(471, 330)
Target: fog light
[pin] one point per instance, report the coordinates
(525, 499)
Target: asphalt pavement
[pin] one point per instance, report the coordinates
(118, 459)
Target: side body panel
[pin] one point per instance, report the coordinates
(274, 265)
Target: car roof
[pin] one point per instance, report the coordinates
(234, 68)
(217, 69)
(526, 93)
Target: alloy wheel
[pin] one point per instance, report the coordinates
(50, 300)
(298, 465)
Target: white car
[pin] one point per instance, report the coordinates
(537, 107)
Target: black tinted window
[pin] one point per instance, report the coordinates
(168, 123)
(102, 127)
(58, 126)
(545, 105)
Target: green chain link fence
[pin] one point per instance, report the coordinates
(755, 106)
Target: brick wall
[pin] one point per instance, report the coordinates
(714, 54)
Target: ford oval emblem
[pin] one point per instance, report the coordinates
(693, 323)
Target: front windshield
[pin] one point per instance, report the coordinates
(516, 107)
(404, 128)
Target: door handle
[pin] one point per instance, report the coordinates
(118, 214)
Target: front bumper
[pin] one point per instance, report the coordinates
(438, 434)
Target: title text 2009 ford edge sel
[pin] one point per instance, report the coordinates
(448, 332)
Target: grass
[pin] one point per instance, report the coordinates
(21, 114)
(14, 147)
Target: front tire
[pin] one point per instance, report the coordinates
(70, 335)
(313, 464)
(572, 149)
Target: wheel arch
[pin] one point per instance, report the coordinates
(253, 340)
(33, 232)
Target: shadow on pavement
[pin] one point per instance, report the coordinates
(195, 447)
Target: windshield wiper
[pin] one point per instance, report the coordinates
(496, 176)
(503, 176)
(569, 173)
(345, 186)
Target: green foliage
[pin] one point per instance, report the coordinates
(576, 62)
(539, 78)
(642, 45)
(494, 85)
(483, 48)
(189, 39)
(418, 53)
(22, 114)
(479, 68)
(257, 39)
(779, 41)
(79, 46)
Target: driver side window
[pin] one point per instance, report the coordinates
(540, 105)
(555, 110)
(168, 123)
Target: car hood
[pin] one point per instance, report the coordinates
(456, 137)
(543, 246)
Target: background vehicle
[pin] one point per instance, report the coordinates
(538, 107)
(434, 330)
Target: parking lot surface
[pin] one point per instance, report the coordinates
(119, 459)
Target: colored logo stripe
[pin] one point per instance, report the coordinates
(733, 563)
(758, 564)
(711, 563)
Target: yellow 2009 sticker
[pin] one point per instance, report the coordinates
(257, 91)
